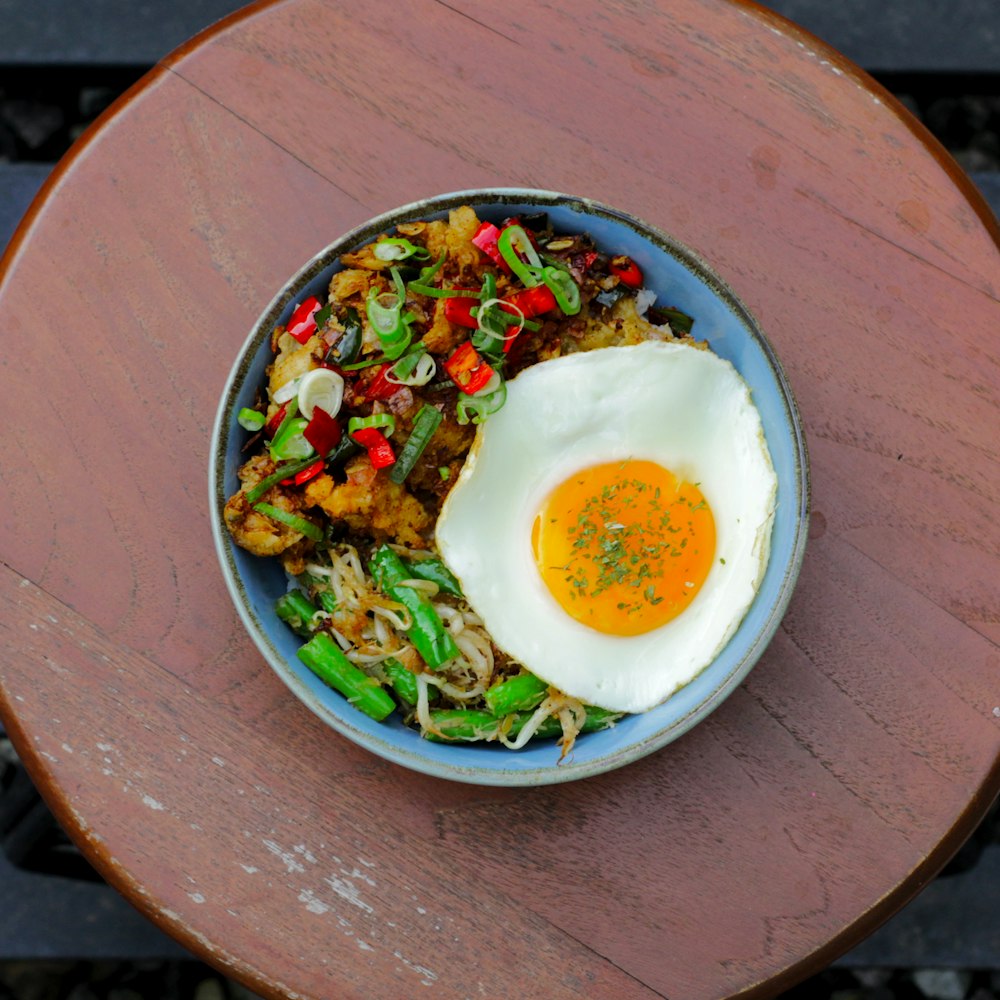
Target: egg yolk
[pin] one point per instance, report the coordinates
(624, 547)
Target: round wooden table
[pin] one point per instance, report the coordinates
(827, 790)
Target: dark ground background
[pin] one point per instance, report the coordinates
(64, 935)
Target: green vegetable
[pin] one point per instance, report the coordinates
(290, 441)
(469, 725)
(564, 288)
(517, 694)
(385, 313)
(384, 422)
(397, 248)
(435, 571)
(250, 420)
(327, 600)
(427, 632)
(325, 659)
(347, 349)
(425, 424)
(283, 472)
(432, 291)
(299, 524)
(403, 681)
(297, 611)
(428, 274)
(478, 408)
(513, 242)
(678, 320)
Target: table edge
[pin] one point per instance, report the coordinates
(869, 921)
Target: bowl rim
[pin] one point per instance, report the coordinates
(554, 773)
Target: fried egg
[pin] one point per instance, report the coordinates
(612, 522)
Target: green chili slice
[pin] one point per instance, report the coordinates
(250, 420)
(290, 442)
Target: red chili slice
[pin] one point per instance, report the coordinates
(380, 387)
(467, 369)
(485, 238)
(303, 476)
(271, 427)
(533, 301)
(626, 270)
(323, 432)
(302, 325)
(380, 452)
(458, 310)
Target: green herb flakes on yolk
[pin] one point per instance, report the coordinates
(624, 547)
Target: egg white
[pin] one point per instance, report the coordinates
(679, 406)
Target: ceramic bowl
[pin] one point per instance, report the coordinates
(679, 277)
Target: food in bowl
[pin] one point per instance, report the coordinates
(443, 348)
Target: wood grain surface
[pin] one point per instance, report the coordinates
(825, 792)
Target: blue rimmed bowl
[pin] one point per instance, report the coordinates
(679, 277)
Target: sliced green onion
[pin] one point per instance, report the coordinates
(426, 423)
(564, 288)
(493, 319)
(250, 420)
(384, 422)
(427, 274)
(432, 291)
(379, 359)
(385, 313)
(397, 248)
(478, 408)
(299, 524)
(512, 243)
(415, 369)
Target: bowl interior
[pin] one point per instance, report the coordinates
(679, 278)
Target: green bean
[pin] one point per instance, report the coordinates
(325, 659)
(435, 571)
(327, 600)
(427, 632)
(470, 725)
(463, 724)
(403, 681)
(297, 611)
(517, 694)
